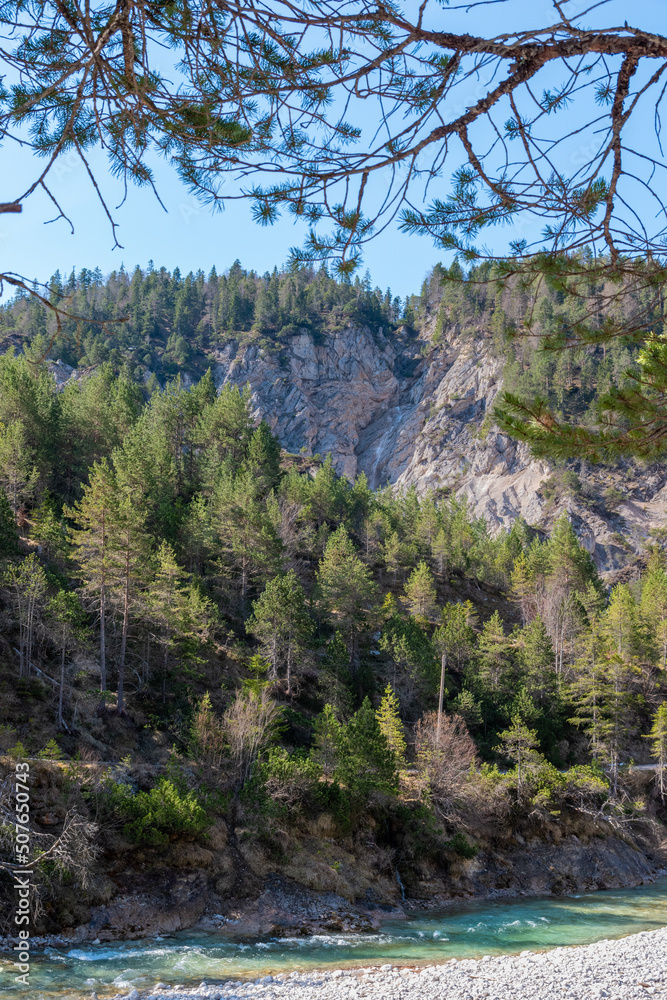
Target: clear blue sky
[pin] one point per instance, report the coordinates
(190, 236)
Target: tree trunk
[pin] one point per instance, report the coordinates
(62, 687)
(443, 668)
(164, 673)
(120, 700)
(103, 644)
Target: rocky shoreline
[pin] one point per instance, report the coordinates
(623, 969)
(285, 909)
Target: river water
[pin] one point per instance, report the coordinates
(472, 930)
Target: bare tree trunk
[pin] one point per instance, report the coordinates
(164, 673)
(103, 643)
(120, 700)
(443, 668)
(103, 616)
(62, 687)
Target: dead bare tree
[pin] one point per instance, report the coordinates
(71, 853)
(250, 724)
(445, 753)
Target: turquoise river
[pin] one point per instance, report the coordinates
(481, 928)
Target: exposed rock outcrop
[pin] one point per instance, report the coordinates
(404, 412)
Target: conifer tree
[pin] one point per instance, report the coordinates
(519, 744)
(281, 623)
(92, 517)
(19, 476)
(621, 624)
(570, 565)
(164, 603)
(455, 636)
(392, 553)
(494, 656)
(328, 741)
(420, 591)
(389, 721)
(335, 675)
(653, 607)
(347, 589)
(48, 527)
(129, 552)
(440, 550)
(658, 738)
(263, 458)
(249, 543)
(523, 587)
(536, 659)
(366, 763)
(225, 430)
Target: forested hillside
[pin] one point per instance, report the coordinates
(172, 579)
(172, 322)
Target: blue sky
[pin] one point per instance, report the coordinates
(188, 235)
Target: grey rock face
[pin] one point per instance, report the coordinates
(405, 413)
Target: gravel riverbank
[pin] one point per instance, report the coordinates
(628, 968)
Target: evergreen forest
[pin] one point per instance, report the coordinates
(272, 638)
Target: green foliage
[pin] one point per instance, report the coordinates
(18, 751)
(389, 721)
(155, 817)
(9, 536)
(462, 846)
(172, 318)
(366, 763)
(51, 752)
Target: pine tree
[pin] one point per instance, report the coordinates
(93, 517)
(225, 430)
(658, 738)
(653, 607)
(346, 588)
(19, 476)
(49, 528)
(523, 588)
(571, 566)
(455, 636)
(440, 551)
(25, 583)
(263, 458)
(389, 721)
(392, 553)
(519, 744)
(536, 660)
(328, 741)
(494, 656)
(420, 592)
(164, 603)
(366, 762)
(129, 546)
(335, 675)
(281, 623)
(249, 543)
(621, 623)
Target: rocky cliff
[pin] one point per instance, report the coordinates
(406, 412)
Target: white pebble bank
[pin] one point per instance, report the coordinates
(631, 967)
